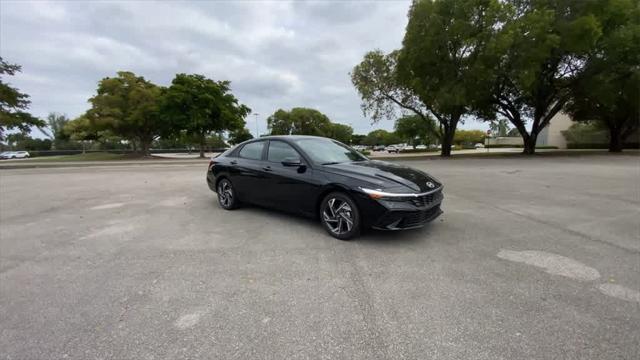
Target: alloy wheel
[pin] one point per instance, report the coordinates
(225, 194)
(338, 216)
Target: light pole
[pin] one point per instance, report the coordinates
(256, 115)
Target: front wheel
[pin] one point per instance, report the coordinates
(340, 216)
(227, 195)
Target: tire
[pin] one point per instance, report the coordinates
(227, 195)
(340, 216)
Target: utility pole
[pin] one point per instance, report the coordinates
(257, 134)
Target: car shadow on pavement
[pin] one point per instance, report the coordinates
(396, 238)
(368, 236)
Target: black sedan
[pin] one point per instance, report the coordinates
(323, 178)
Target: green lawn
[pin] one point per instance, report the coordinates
(81, 157)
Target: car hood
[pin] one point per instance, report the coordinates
(388, 176)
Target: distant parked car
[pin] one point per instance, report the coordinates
(392, 149)
(421, 147)
(440, 147)
(479, 146)
(15, 155)
(378, 148)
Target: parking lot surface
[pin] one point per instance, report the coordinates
(533, 258)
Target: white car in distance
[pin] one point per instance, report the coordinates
(15, 155)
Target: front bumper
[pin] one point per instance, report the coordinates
(404, 213)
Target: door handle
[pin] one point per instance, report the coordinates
(267, 168)
(233, 162)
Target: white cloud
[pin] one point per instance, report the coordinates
(277, 54)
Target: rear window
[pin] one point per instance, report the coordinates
(252, 150)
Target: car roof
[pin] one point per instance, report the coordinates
(290, 137)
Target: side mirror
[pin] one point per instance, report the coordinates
(292, 162)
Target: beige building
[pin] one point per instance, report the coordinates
(551, 135)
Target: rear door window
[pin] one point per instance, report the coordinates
(252, 151)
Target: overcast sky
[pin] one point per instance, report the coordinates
(276, 54)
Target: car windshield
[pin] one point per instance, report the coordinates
(326, 151)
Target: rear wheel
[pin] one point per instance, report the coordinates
(227, 195)
(340, 216)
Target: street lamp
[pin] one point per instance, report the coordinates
(256, 115)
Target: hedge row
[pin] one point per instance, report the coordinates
(412, 151)
(519, 146)
(35, 153)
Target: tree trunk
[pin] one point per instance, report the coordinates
(530, 144)
(202, 144)
(145, 145)
(447, 139)
(615, 139)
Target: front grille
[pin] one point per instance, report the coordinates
(427, 200)
(408, 219)
(418, 218)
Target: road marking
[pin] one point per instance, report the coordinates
(188, 320)
(620, 292)
(552, 263)
(107, 206)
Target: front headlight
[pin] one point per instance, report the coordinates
(379, 194)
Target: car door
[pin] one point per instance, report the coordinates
(290, 188)
(247, 175)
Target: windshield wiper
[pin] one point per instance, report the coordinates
(331, 163)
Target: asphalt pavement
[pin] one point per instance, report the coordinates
(533, 259)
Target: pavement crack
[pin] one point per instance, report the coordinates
(361, 293)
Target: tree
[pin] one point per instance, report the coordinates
(240, 135)
(533, 58)
(57, 123)
(340, 132)
(436, 70)
(607, 89)
(128, 106)
(200, 106)
(358, 139)
(81, 129)
(21, 141)
(13, 104)
(299, 121)
(499, 127)
(383, 94)
(381, 137)
(411, 128)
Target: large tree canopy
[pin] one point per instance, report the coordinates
(305, 121)
(13, 104)
(127, 106)
(412, 129)
(299, 121)
(381, 137)
(437, 70)
(533, 59)
(239, 135)
(607, 89)
(200, 106)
